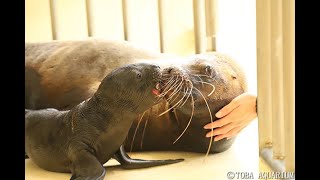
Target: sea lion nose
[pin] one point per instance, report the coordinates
(169, 70)
(155, 66)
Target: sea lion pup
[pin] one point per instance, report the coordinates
(82, 139)
(61, 74)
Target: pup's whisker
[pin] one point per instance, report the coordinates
(135, 132)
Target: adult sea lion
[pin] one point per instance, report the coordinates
(82, 139)
(60, 74)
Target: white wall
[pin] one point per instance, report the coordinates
(236, 32)
(236, 35)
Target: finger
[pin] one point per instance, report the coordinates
(209, 134)
(217, 138)
(228, 108)
(230, 134)
(223, 130)
(218, 123)
(233, 117)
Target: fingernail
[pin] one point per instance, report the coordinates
(218, 114)
(208, 135)
(206, 127)
(215, 139)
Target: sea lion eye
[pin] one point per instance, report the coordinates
(208, 70)
(139, 75)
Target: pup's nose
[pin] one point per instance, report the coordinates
(155, 66)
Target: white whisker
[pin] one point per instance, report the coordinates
(192, 110)
(211, 120)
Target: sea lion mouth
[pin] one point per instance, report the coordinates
(157, 90)
(157, 76)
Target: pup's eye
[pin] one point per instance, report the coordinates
(208, 70)
(139, 75)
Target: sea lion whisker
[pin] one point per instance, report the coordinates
(180, 102)
(185, 92)
(190, 93)
(178, 88)
(166, 86)
(197, 76)
(169, 99)
(166, 78)
(213, 87)
(172, 106)
(135, 132)
(175, 85)
(192, 110)
(211, 120)
(200, 79)
(202, 75)
(189, 81)
(172, 100)
(169, 85)
(170, 88)
(144, 129)
(170, 80)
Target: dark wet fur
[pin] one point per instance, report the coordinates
(82, 139)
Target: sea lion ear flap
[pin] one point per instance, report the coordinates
(232, 73)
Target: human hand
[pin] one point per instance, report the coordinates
(234, 117)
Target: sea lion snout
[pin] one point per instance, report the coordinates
(157, 74)
(173, 71)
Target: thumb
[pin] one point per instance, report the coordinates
(227, 109)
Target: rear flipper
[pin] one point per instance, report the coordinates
(128, 163)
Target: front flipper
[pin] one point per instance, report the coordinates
(85, 166)
(128, 163)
